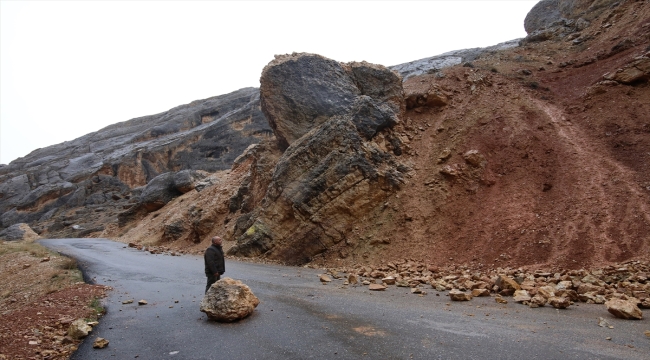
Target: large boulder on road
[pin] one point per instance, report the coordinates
(229, 300)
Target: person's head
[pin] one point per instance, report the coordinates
(216, 240)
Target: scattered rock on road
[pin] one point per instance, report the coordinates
(100, 343)
(142, 302)
(457, 295)
(624, 309)
(376, 287)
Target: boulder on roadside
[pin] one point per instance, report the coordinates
(79, 329)
(624, 309)
(18, 232)
(324, 279)
(229, 300)
(457, 295)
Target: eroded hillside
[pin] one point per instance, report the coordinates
(529, 155)
(533, 154)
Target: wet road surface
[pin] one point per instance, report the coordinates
(298, 318)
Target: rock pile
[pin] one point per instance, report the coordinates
(624, 288)
(229, 300)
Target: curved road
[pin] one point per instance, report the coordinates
(298, 318)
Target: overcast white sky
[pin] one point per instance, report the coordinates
(70, 68)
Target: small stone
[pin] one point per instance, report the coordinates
(93, 323)
(521, 296)
(130, 301)
(352, 279)
(416, 290)
(537, 301)
(559, 302)
(100, 343)
(603, 323)
(388, 280)
(480, 292)
(142, 302)
(457, 295)
(366, 282)
(325, 279)
(402, 283)
(25, 266)
(376, 287)
(45, 259)
(505, 283)
(647, 333)
(501, 300)
(608, 338)
(32, 342)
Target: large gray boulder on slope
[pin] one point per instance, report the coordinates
(335, 170)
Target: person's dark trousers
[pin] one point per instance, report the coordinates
(211, 280)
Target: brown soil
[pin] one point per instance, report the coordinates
(41, 294)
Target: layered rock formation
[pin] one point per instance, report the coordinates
(102, 173)
(341, 157)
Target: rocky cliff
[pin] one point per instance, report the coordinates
(80, 186)
(530, 153)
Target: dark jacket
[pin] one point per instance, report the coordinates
(214, 262)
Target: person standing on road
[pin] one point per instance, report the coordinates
(214, 262)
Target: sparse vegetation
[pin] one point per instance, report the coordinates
(98, 309)
(24, 246)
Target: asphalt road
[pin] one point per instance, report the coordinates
(298, 318)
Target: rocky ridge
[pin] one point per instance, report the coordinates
(141, 163)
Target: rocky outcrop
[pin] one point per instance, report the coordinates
(637, 71)
(18, 232)
(102, 173)
(433, 64)
(229, 300)
(341, 157)
(556, 19)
